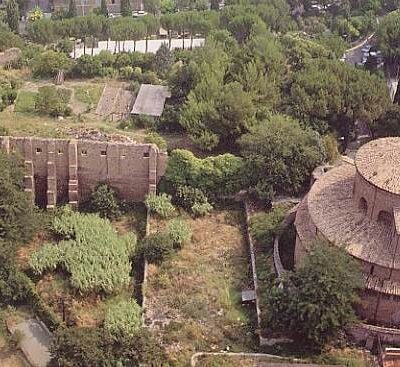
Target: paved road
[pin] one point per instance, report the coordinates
(354, 55)
(35, 342)
(153, 46)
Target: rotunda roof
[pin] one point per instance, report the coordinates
(379, 163)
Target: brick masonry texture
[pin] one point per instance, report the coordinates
(66, 171)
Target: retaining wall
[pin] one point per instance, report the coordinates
(66, 171)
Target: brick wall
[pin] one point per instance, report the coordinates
(60, 171)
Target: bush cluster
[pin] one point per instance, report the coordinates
(90, 250)
(104, 201)
(159, 247)
(53, 101)
(123, 319)
(160, 205)
(193, 200)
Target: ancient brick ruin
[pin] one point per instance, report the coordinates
(65, 171)
(358, 205)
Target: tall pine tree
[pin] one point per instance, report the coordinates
(126, 9)
(103, 8)
(12, 15)
(72, 12)
(214, 4)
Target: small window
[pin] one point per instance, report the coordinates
(38, 150)
(363, 206)
(123, 156)
(112, 1)
(385, 218)
(146, 155)
(103, 153)
(83, 152)
(60, 152)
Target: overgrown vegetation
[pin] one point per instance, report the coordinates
(160, 204)
(316, 301)
(96, 258)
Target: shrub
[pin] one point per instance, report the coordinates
(103, 201)
(87, 67)
(157, 247)
(194, 200)
(201, 209)
(179, 232)
(134, 87)
(18, 220)
(154, 138)
(123, 319)
(215, 176)
(91, 251)
(46, 258)
(160, 204)
(126, 72)
(53, 101)
(48, 63)
(81, 347)
(264, 226)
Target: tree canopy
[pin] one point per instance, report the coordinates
(316, 302)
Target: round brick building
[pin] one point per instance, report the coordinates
(358, 206)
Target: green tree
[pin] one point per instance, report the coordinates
(48, 63)
(330, 93)
(214, 5)
(152, 6)
(388, 35)
(126, 9)
(151, 25)
(12, 15)
(17, 215)
(315, 303)
(103, 201)
(388, 124)
(163, 60)
(72, 11)
(83, 347)
(103, 8)
(279, 156)
(123, 319)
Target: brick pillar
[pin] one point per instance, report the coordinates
(73, 197)
(153, 170)
(5, 144)
(29, 181)
(51, 175)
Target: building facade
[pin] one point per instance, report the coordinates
(62, 171)
(358, 206)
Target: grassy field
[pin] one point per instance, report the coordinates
(89, 93)
(25, 101)
(196, 296)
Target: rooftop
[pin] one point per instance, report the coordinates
(379, 163)
(150, 100)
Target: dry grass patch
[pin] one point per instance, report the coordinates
(194, 299)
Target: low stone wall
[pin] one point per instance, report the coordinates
(359, 333)
(253, 261)
(145, 273)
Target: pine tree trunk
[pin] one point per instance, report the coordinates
(134, 45)
(115, 47)
(169, 39)
(147, 41)
(84, 46)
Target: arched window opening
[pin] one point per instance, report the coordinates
(363, 206)
(385, 218)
